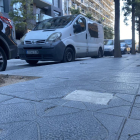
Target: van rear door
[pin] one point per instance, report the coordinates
(92, 37)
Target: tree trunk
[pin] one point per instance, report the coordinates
(133, 28)
(117, 50)
(139, 37)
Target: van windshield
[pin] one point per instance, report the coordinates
(109, 42)
(54, 23)
(128, 41)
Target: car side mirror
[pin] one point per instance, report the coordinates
(77, 28)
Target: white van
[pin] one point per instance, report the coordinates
(63, 39)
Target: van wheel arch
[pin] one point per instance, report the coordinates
(100, 49)
(72, 47)
(74, 52)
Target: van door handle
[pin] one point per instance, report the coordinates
(86, 36)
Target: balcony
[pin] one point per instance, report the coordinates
(43, 3)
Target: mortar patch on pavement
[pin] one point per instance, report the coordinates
(12, 79)
(89, 96)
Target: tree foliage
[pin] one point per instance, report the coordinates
(108, 32)
(127, 12)
(75, 11)
(22, 14)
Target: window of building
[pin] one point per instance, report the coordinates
(82, 22)
(93, 30)
(56, 3)
(48, 1)
(56, 14)
(1, 6)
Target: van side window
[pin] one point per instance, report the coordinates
(82, 22)
(93, 29)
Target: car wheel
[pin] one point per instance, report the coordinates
(69, 55)
(125, 52)
(3, 60)
(100, 53)
(32, 62)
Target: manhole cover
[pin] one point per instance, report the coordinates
(89, 96)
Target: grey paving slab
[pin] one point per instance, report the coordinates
(28, 132)
(36, 110)
(17, 112)
(137, 100)
(16, 100)
(131, 130)
(80, 125)
(4, 98)
(116, 106)
(122, 79)
(89, 96)
(119, 111)
(111, 123)
(9, 128)
(135, 114)
(123, 88)
(59, 111)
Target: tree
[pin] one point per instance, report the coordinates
(137, 14)
(108, 32)
(75, 11)
(117, 50)
(133, 28)
(22, 14)
(130, 8)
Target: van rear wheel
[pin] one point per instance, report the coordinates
(68, 55)
(3, 60)
(32, 62)
(100, 53)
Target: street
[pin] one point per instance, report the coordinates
(88, 99)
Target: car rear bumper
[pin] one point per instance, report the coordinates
(108, 52)
(50, 51)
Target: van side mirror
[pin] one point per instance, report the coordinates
(77, 28)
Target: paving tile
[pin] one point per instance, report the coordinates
(131, 129)
(28, 132)
(17, 112)
(4, 98)
(80, 125)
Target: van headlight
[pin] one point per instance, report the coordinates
(54, 37)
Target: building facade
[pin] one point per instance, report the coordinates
(42, 8)
(101, 10)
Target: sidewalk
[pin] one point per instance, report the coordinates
(89, 99)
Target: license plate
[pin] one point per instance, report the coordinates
(32, 52)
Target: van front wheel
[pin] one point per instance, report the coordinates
(3, 60)
(68, 55)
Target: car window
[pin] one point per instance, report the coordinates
(109, 42)
(82, 22)
(93, 29)
(123, 45)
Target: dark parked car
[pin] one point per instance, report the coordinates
(8, 46)
(125, 49)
